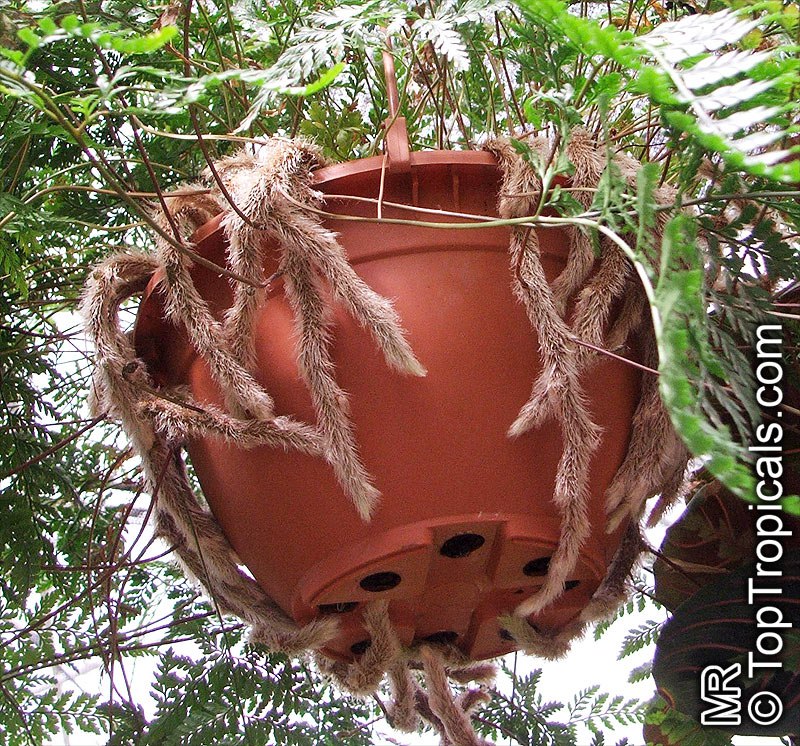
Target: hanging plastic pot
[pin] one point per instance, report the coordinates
(465, 526)
(434, 473)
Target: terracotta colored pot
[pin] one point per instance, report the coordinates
(466, 522)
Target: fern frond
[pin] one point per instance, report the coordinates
(693, 35)
(595, 708)
(441, 30)
(713, 70)
(442, 34)
(721, 90)
(641, 673)
(640, 637)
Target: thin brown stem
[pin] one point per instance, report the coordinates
(53, 449)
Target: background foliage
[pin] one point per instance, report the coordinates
(105, 104)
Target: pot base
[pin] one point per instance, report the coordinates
(447, 581)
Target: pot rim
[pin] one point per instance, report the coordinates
(418, 158)
(337, 171)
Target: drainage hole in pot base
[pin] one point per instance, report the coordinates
(462, 545)
(445, 637)
(380, 581)
(361, 647)
(537, 567)
(339, 608)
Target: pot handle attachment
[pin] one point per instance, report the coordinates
(396, 139)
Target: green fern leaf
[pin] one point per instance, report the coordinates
(724, 102)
